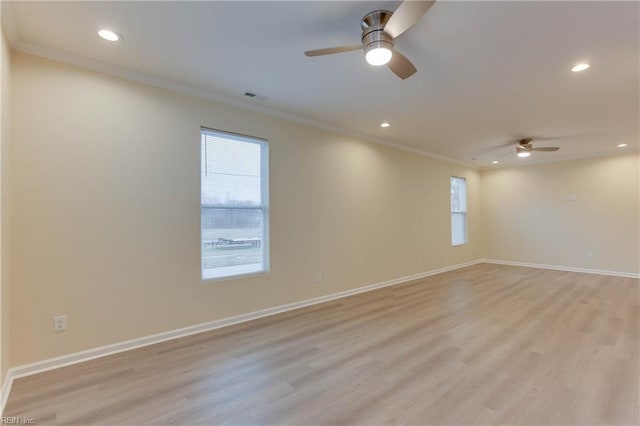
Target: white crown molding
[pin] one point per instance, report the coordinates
(11, 31)
(564, 268)
(91, 64)
(563, 159)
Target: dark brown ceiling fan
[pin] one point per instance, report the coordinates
(380, 28)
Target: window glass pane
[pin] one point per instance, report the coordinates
(458, 228)
(230, 172)
(458, 195)
(231, 241)
(455, 195)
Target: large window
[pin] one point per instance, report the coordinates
(234, 205)
(458, 211)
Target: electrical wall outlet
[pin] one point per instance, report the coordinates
(319, 277)
(59, 323)
(591, 255)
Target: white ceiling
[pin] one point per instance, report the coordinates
(488, 72)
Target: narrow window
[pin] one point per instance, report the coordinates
(234, 208)
(458, 211)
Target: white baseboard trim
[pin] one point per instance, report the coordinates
(4, 391)
(102, 351)
(77, 357)
(564, 268)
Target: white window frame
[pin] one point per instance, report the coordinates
(462, 213)
(264, 205)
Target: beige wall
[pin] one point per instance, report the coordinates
(526, 216)
(104, 189)
(5, 132)
(106, 200)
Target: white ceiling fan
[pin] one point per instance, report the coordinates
(380, 28)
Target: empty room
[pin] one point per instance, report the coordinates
(320, 213)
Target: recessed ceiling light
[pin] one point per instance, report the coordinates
(580, 67)
(109, 35)
(494, 162)
(622, 145)
(524, 154)
(384, 124)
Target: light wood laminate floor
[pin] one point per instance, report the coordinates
(487, 344)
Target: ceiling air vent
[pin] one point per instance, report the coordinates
(252, 95)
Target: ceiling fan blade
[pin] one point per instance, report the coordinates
(332, 50)
(406, 15)
(546, 148)
(401, 66)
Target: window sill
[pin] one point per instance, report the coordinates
(234, 272)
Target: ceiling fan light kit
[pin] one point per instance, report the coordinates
(378, 54)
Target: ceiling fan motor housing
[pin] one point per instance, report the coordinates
(373, 35)
(524, 144)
